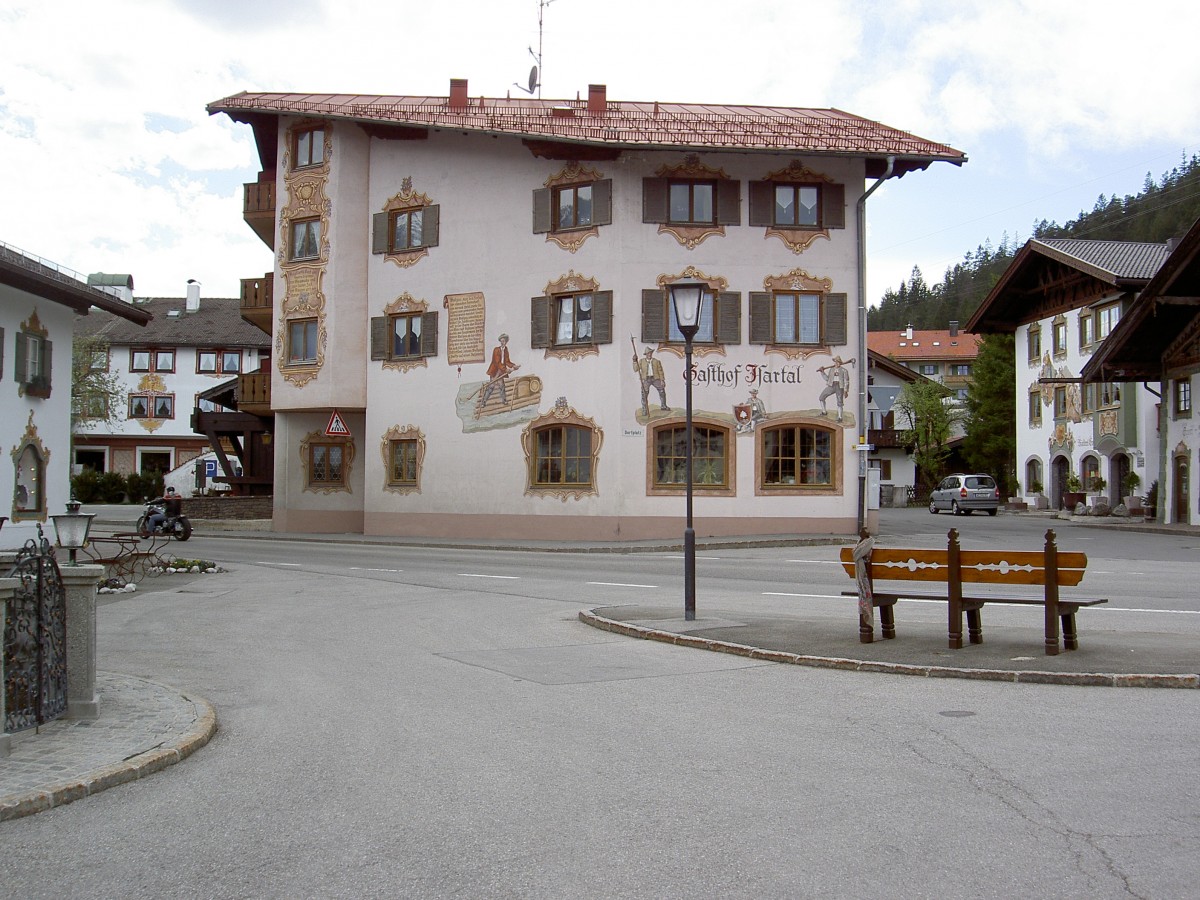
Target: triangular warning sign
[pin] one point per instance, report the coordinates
(337, 426)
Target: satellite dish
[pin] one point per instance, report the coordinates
(533, 73)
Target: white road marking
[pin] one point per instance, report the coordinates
(473, 575)
(369, 569)
(698, 557)
(618, 584)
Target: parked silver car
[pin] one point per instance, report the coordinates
(963, 494)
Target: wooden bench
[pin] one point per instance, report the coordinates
(1047, 568)
(126, 555)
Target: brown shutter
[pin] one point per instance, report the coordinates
(833, 205)
(762, 203)
(379, 337)
(654, 316)
(729, 202)
(654, 200)
(602, 317)
(760, 317)
(47, 365)
(429, 334)
(729, 317)
(602, 202)
(834, 312)
(541, 320)
(379, 233)
(541, 211)
(431, 226)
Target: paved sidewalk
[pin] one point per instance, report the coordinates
(142, 728)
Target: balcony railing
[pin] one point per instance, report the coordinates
(886, 438)
(258, 298)
(254, 392)
(258, 209)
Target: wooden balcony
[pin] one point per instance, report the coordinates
(887, 438)
(258, 298)
(258, 209)
(254, 393)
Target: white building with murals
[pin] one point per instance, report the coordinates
(470, 321)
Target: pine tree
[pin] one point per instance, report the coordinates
(990, 444)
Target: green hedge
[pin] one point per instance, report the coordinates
(90, 486)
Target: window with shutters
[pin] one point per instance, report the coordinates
(798, 318)
(33, 363)
(407, 332)
(570, 319)
(691, 201)
(797, 205)
(408, 226)
(720, 318)
(572, 205)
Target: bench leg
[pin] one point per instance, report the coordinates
(974, 626)
(887, 618)
(866, 632)
(1070, 637)
(954, 614)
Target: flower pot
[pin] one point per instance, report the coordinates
(1071, 499)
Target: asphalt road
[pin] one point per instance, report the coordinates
(408, 722)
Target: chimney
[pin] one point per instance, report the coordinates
(908, 332)
(954, 328)
(597, 99)
(193, 296)
(458, 94)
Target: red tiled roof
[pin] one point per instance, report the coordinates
(923, 345)
(620, 124)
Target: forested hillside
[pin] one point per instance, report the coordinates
(1161, 210)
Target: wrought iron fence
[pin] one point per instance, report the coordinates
(35, 639)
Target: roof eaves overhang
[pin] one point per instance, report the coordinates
(29, 276)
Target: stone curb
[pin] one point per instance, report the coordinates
(155, 760)
(590, 617)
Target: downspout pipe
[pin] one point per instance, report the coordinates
(861, 221)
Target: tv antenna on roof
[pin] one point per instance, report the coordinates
(534, 73)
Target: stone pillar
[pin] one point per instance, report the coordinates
(80, 583)
(8, 587)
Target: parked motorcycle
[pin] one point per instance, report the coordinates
(176, 526)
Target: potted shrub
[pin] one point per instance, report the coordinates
(1129, 485)
(1150, 503)
(1074, 494)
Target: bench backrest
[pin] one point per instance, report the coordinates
(978, 566)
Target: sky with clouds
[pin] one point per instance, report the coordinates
(110, 162)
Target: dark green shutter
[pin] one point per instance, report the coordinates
(602, 317)
(762, 203)
(729, 317)
(541, 319)
(379, 233)
(760, 318)
(834, 310)
(541, 211)
(379, 337)
(602, 202)
(431, 226)
(47, 366)
(19, 357)
(429, 334)
(729, 202)
(833, 206)
(654, 316)
(654, 200)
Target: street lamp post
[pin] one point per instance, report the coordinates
(72, 528)
(688, 298)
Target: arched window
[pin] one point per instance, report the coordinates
(562, 457)
(31, 479)
(1090, 472)
(1033, 477)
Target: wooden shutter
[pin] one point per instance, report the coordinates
(431, 226)
(602, 317)
(429, 334)
(729, 318)
(379, 233)
(760, 317)
(541, 321)
(762, 203)
(654, 316)
(729, 202)
(47, 366)
(654, 200)
(833, 205)
(541, 211)
(19, 374)
(834, 313)
(379, 337)
(602, 202)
